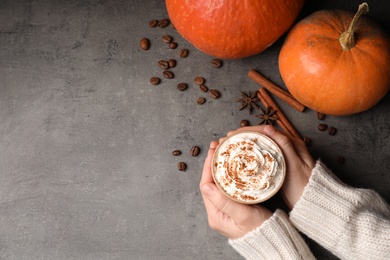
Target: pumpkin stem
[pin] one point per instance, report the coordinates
(347, 38)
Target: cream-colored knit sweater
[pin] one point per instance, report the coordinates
(351, 223)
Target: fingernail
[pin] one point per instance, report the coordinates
(207, 189)
(213, 144)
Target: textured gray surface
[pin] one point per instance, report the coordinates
(86, 170)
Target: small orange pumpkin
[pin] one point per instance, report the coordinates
(232, 29)
(335, 69)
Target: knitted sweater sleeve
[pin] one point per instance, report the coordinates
(352, 223)
(276, 238)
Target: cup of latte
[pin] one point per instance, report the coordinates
(248, 167)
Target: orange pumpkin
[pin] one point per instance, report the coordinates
(335, 69)
(232, 29)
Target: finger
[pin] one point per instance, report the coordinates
(303, 152)
(221, 139)
(206, 174)
(215, 216)
(284, 143)
(219, 202)
(212, 211)
(218, 220)
(214, 144)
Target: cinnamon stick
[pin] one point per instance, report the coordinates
(276, 90)
(282, 121)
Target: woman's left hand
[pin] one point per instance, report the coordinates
(230, 218)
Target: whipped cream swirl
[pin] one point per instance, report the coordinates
(249, 167)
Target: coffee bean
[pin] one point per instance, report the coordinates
(172, 63)
(199, 80)
(182, 86)
(181, 166)
(195, 150)
(332, 130)
(215, 94)
(144, 43)
(341, 160)
(154, 80)
(183, 53)
(168, 74)
(173, 45)
(153, 23)
(163, 23)
(163, 64)
(166, 39)
(307, 140)
(176, 152)
(244, 123)
(216, 63)
(200, 100)
(320, 116)
(203, 88)
(322, 127)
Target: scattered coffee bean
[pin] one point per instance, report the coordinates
(199, 80)
(173, 45)
(154, 80)
(172, 63)
(195, 150)
(215, 94)
(182, 86)
(203, 88)
(307, 140)
(166, 39)
(320, 116)
(332, 130)
(181, 166)
(183, 53)
(176, 152)
(322, 127)
(144, 44)
(153, 23)
(163, 23)
(168, 74)
(244, 123)
(200, 100)
(216, 63)
(341, 160)
(163, 64)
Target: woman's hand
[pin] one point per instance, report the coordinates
(299, 162)
(233, 219)
(230, 218)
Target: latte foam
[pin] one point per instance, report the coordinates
(249, 167)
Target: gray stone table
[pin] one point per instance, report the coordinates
(86, 170)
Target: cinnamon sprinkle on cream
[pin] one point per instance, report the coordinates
(249, 167)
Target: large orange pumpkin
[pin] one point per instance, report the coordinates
(232, 29)
(336, 66)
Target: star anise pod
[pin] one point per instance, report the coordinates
(267, 117)
(248, 101)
